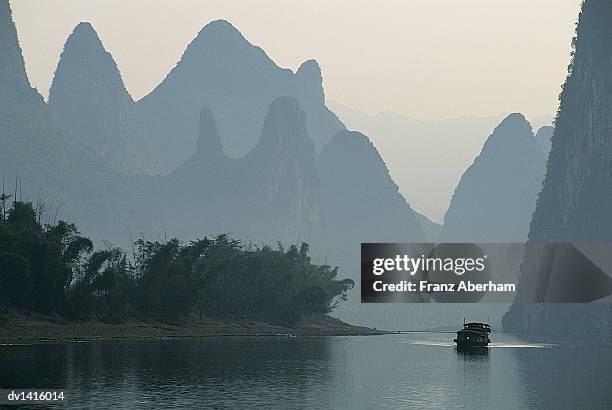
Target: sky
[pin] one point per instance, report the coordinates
(428, 59)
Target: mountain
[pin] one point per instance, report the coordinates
(269, 195)
(279, 191)
(276, 190)
(63, 172)
(283, 163)
(496, 196)
(425, 158)
(12, 67)
(89, 101)
(575, 205)
(543, 138)
(220, 69)
(360, 201)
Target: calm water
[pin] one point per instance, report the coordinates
(420, 370)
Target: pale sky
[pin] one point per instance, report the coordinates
(428, 59)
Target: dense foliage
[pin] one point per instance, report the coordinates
(51, 267)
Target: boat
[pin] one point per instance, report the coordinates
(473, 335)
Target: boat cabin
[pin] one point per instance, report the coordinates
(473, 335)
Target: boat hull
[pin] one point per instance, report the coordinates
(466, 344)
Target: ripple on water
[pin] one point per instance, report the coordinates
(491, 345)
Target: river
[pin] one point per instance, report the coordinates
(416, 370)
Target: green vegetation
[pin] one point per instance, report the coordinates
(52, 268)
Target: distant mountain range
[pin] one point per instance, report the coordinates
(220, 69)
(35, 153)
(277, 190)
(230, 142)
(426, 158)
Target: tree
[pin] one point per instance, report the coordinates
(54, 268)
(14, 278)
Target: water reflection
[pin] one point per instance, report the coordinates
(568, 376)
(396, 371)
(473, 353)
(224, 371)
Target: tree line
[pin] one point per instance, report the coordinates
(53, 268)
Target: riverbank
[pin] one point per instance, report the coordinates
(23, 327)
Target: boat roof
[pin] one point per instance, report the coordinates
(470, 331)
(478, 324)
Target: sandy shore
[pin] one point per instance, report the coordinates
(21, 327)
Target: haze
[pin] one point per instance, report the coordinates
(428, 59)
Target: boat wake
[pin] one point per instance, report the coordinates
(491, 345)
(428, 343)
(523, 345)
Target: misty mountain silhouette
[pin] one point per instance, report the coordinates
(12, 67)
(359, 200)
(497, 194)
(354, 181)
(49, 164)
(425, 158)
(284, 163)
(220, 69)
(268, 187)
(89, 101)
(361, 203)
(271, 193)
(266, 196)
